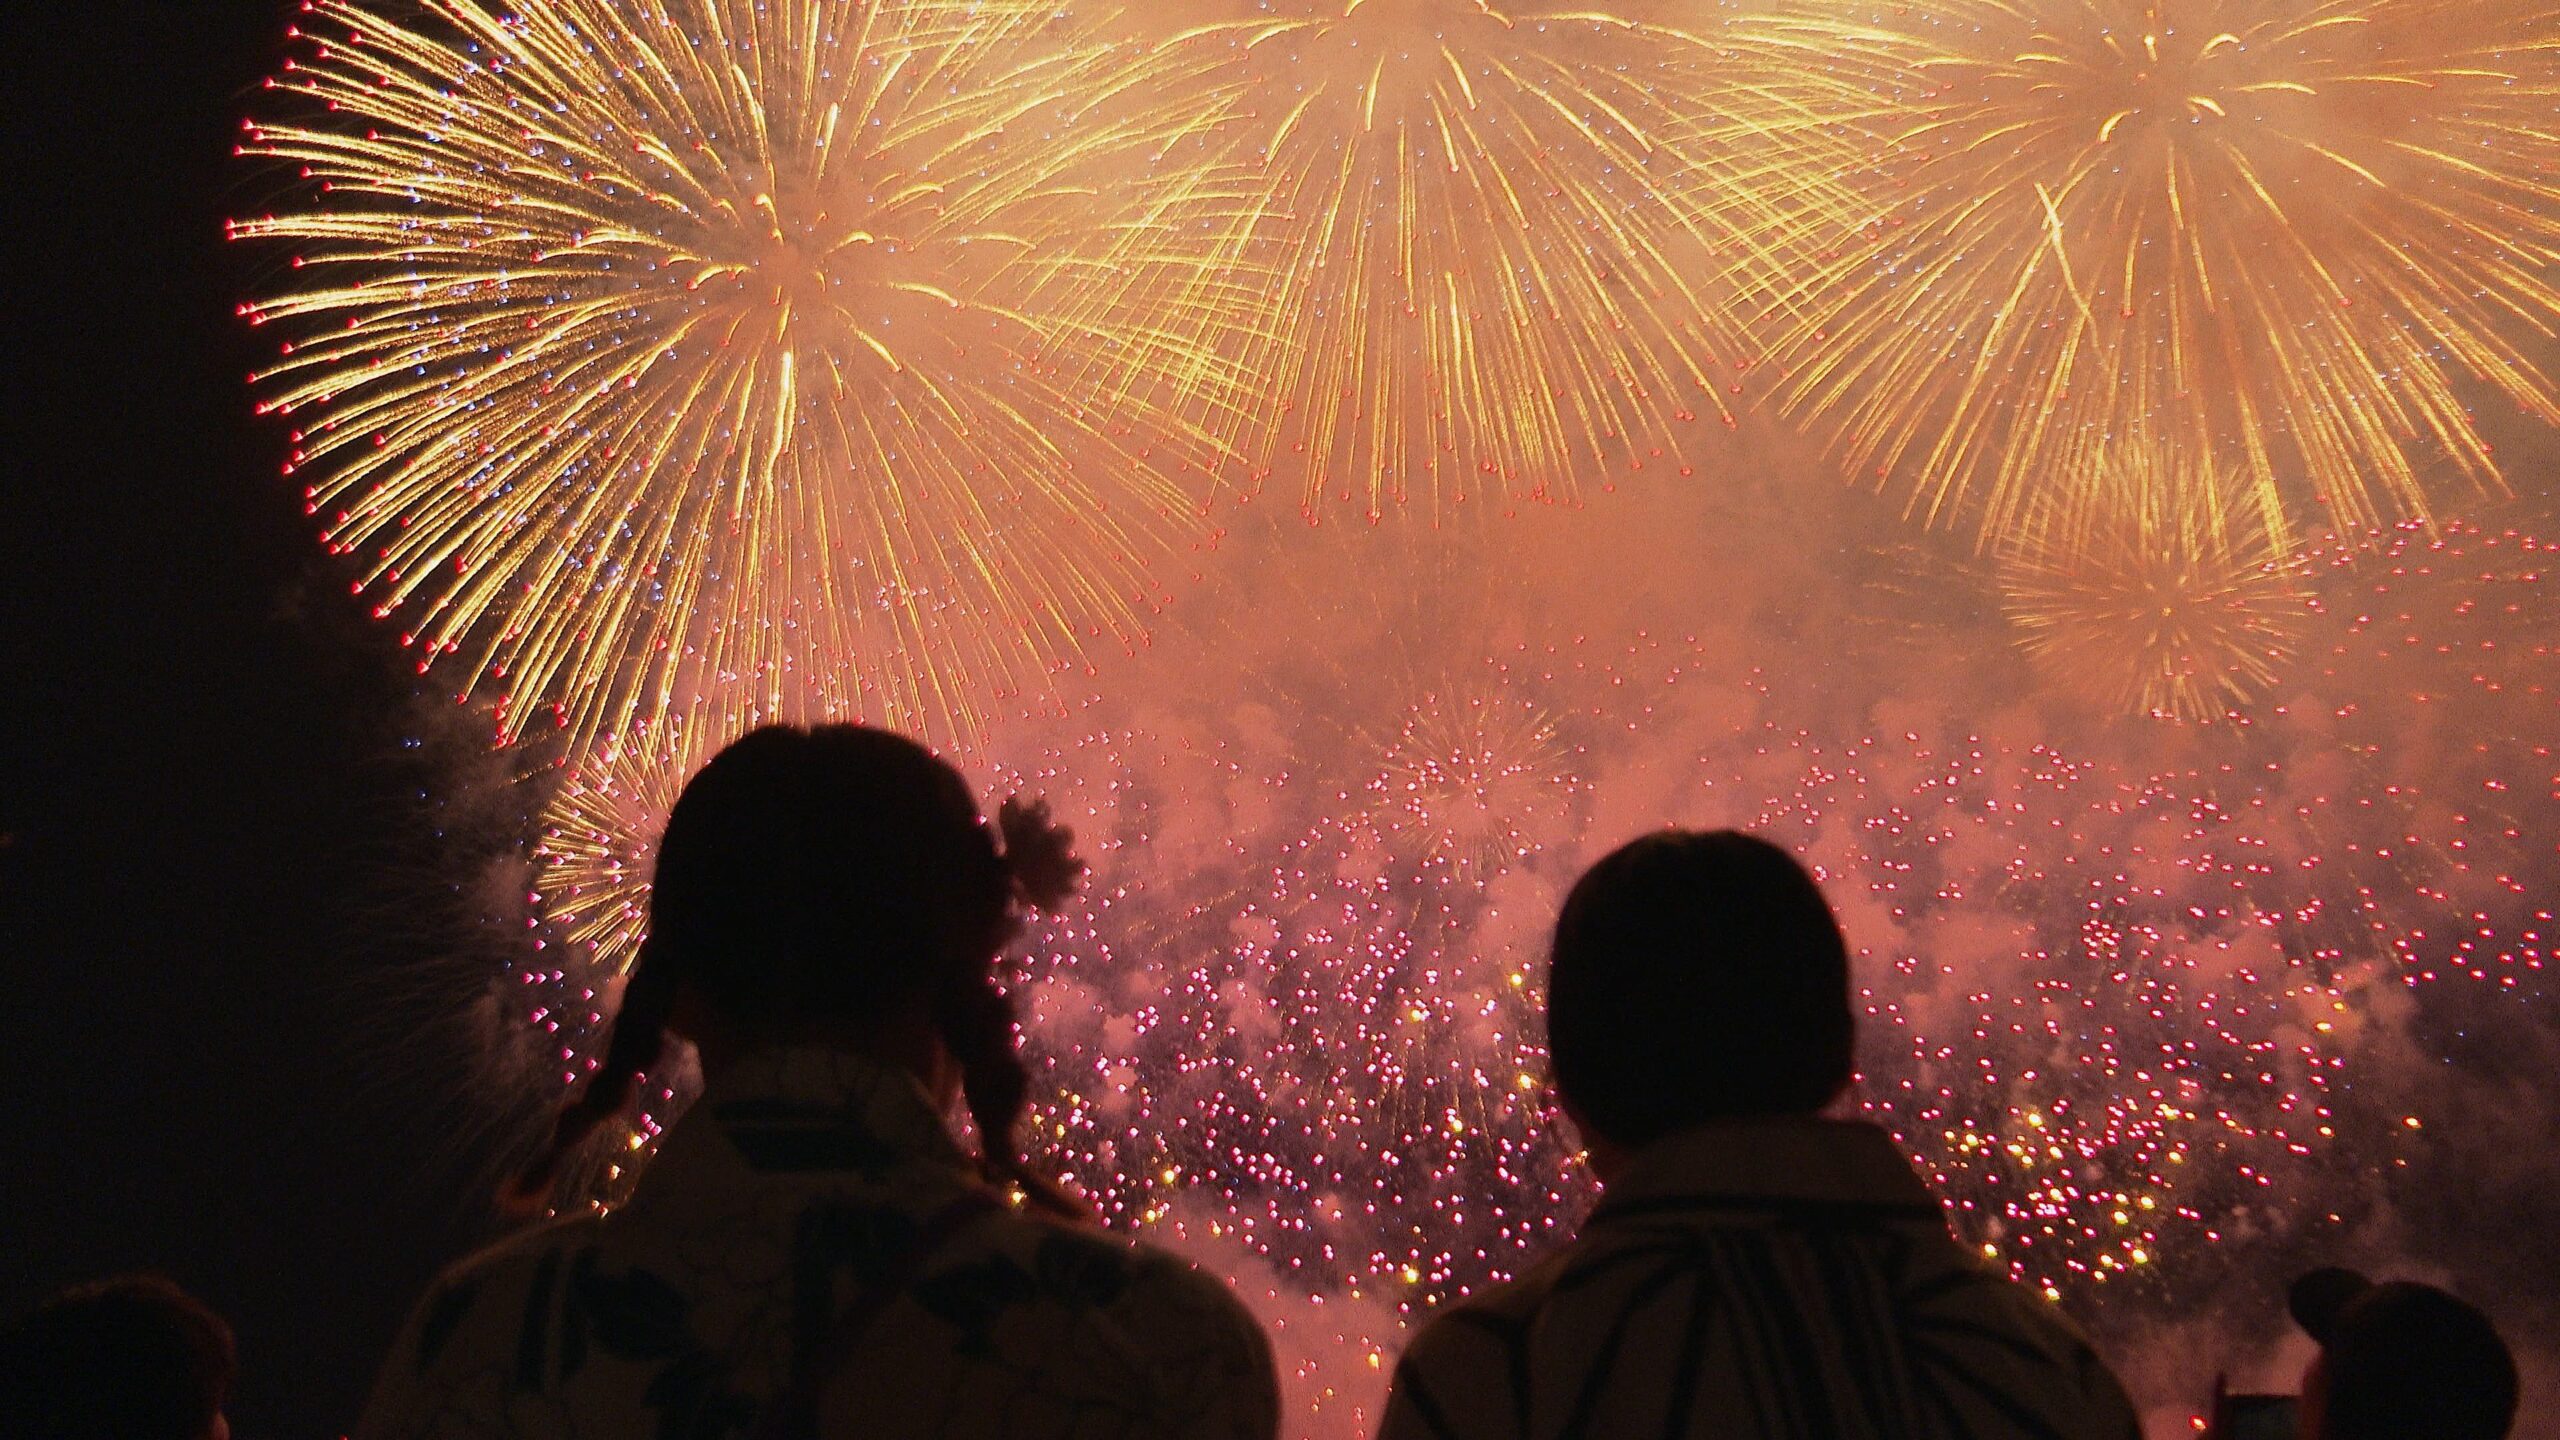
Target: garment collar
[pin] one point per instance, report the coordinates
(807, 1111)
(1771, 1163)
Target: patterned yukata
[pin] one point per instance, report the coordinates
(795, 1191)
(1759, 1278)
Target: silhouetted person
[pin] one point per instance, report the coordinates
(1754, 1269)
(133, 1358)
(811, 1252)
(2400, 1361)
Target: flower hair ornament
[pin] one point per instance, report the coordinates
(1039, 854)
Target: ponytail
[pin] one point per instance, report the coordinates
(638, 1038)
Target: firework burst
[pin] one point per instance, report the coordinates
(1474, 781)
(816, 348)
(2176, 598)
(597, 849)
(2092, 1021)
(1493, 235)
(2303, 234)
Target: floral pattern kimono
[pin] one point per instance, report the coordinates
(810, 1238)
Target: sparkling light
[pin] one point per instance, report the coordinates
(2177, 598)
(665, 363)
(642, 347)
(1507, 242)
(2114, 992)
(2304, 233)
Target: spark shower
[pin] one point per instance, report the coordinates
(2040, 458)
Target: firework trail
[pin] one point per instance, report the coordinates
(2303, 236)
(644, 348)
(1504, 241)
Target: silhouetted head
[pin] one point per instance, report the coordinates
(1697, 976)
(834, 882)
(134, 1358)
(2400, 1361)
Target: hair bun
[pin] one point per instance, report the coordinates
(1039, 853)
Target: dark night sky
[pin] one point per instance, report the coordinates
(202, 783)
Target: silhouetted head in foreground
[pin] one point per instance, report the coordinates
(835, 885)
(134, 1358)
(2400, 1361)
(1697, 976)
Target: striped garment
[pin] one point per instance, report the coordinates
(1759, 1278)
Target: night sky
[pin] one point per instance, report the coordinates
(207, 801)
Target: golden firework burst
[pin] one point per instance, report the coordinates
(2179, 599)
(1504, 243)
(2305, 233)
(596, 854)
(1475, 781)
(855, 351)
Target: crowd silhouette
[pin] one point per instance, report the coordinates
(815, 1252)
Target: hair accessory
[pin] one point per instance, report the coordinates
(1039, 853)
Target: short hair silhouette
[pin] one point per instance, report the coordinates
(1697, 975)
(132, 1358)
(2401, 1360)
(835, 873)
